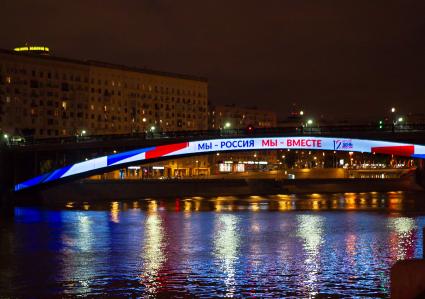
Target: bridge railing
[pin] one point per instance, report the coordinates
(202, 134)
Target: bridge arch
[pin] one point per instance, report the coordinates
(150, 154)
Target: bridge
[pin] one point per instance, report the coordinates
(82, 156)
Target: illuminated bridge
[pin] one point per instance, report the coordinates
(165, 148)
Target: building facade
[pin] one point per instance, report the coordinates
(45, 96)
(234, 117)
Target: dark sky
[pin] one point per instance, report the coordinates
(336, 58)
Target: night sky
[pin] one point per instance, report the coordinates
(340, 59)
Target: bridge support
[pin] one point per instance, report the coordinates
(420, 173)
(7, 176)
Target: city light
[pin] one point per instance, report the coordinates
(5, 136)
(392, 109)
(227, 125)
(83, 132)
(152, 128)
(144, 119)
(309, 122)
(301, 112)
(400, 119)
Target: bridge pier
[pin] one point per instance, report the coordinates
(420, 173)
(7, 178)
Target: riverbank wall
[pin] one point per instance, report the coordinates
(136, 189)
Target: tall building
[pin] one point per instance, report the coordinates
(46, 96)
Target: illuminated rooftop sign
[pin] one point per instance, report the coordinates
(41, 49)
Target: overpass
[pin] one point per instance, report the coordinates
(165, 148)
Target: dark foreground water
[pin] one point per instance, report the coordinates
(314, 246)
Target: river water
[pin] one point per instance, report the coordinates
(310, 246)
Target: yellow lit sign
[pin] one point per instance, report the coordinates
(32, 48)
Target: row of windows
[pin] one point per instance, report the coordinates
(5, 77)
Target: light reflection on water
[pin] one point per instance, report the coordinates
(340, 245)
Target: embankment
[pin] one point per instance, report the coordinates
(135, 189)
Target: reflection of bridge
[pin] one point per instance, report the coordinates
(153, 149)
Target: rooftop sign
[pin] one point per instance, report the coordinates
(42, 49)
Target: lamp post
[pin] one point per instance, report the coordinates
(393, 119)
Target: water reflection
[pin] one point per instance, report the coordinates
(310, 231)
(298, 246)
(402, 237)
(226, 243)
(153, 252)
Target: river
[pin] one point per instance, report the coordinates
(294, 246)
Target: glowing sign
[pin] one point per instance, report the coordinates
(103, 164)
(31, 48)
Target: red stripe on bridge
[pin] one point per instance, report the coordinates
(163, 150)
(404, 150)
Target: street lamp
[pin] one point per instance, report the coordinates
(309, 122)
(227, 125)
(152, 128)
(301, 113)
(393, 119)
(400, 119)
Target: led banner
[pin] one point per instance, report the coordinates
(231, 144)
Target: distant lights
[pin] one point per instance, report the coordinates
(392, 109)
